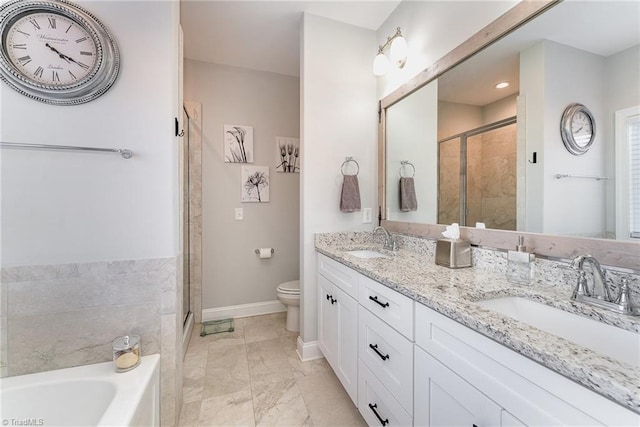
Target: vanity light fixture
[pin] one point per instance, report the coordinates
(502, 85)
(397, 52)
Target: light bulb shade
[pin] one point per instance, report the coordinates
(399, 51)
(380, 64)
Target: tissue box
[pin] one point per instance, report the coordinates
(453, 253)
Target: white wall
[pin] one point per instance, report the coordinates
(60, 207)
(621, 75)
(432, 29)
(412, 128)
(232, 274)
(338, 119)
(566, 206)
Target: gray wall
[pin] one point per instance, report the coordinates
(232, 274)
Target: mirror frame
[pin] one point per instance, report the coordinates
(614, 253)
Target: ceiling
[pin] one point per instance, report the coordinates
(264, 35)
(602, 28)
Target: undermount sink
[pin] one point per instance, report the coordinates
(617, 343)
(366, 253)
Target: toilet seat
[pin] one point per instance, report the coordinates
(290, 288)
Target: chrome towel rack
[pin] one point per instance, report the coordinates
(403, 166)
(348, 160)
(126, 154)
(568, 175)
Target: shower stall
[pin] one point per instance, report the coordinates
(477, 176)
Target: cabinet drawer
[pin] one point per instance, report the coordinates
(339, 274)
(376, 404)
(388, 355)
(392, 307)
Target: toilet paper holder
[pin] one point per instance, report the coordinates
(257, 251)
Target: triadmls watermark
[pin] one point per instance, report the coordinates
(23, 422)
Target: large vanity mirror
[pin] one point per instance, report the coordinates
(481, 154)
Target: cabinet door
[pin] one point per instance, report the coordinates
(327, 329)
(443, 399)
(346, 316)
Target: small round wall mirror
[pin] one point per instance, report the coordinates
(578, 129)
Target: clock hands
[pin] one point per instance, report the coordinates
(57, 51)
(65, 57)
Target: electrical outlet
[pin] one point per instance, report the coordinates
(366, 216)
(239, 214)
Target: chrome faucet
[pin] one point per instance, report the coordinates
(600, 294)
(600, 288)
(389, 241)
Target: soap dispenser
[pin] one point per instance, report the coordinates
(521, 264)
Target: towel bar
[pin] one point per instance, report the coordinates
(126, 154)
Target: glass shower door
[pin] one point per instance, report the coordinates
(477, 177)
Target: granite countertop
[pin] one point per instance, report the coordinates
(452, 292)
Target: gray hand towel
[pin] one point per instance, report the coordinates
(350, 197)
(408, 201)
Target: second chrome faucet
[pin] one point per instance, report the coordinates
(600, 294)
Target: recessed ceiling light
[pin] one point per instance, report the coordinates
(502, 85)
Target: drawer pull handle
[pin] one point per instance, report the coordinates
(330, 298)
(375, 348)
(375, 299)
(373, 408)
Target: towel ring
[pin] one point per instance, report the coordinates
(348, 160)
(404, 164)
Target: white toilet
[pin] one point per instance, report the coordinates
(289, 295)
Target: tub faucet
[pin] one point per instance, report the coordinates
(600, 294)
(389, 241)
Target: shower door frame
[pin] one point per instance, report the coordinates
(463, 136)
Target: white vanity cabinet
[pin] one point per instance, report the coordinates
(465, 378)
(405, 364)
(338, 321)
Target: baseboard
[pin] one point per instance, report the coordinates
(308, 350)
(243, 310)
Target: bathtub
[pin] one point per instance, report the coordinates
(91, 395)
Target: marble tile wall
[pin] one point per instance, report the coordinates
(60, 316)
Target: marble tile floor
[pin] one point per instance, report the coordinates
(253, 377)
